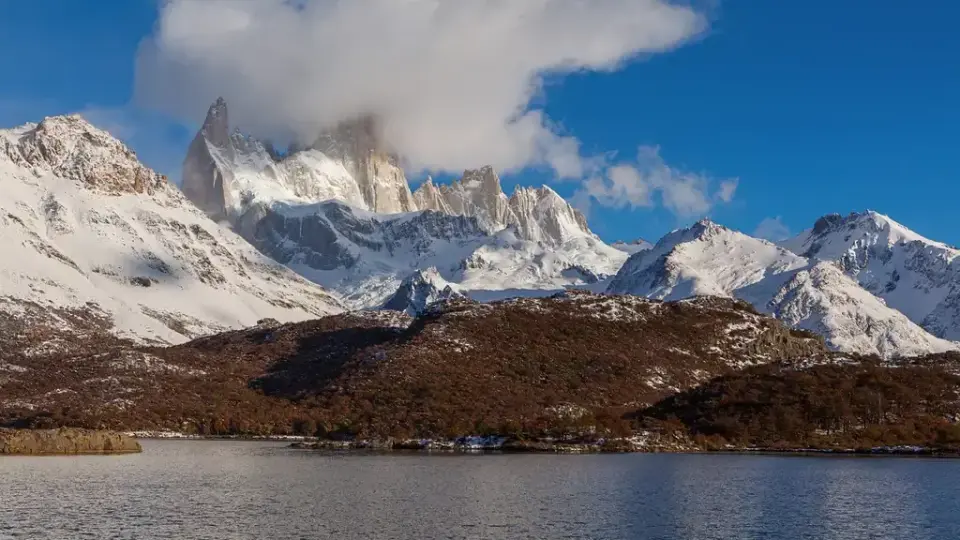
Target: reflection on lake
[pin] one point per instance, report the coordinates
(192, 490)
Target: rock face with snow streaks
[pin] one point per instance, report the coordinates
(341, 213)
(915, 275)
(538, 214)
(421, 290)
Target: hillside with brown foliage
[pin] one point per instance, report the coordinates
(855, 403)
(570, 363)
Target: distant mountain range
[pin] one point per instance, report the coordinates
(804, 292)
(95, 241)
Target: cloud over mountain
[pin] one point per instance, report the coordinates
(450, 80)
(649, 181)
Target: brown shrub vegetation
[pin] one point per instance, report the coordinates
(859, 404)
(573, 363)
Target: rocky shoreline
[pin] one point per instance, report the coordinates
(629, 445)
(65, 441)
(471, 444)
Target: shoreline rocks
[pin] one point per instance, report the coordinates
(65, 441)
(643, 443)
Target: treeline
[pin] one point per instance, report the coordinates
(852, 405)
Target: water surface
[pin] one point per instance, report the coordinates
(193, 490)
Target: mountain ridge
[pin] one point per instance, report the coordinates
(866, 282)
(476, 236)
(709, 259)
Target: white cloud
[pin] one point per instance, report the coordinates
(772, 229)
(649, 180)
(728, 188)
(450, 80)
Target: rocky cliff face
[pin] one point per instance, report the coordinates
(366, 257)
(225, 172)
(204, 180)
(68, 147)
(537, 214)
(382, 183)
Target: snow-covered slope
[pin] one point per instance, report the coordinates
(90, 236)
(915, 275)
(341, 214)
(707, 259)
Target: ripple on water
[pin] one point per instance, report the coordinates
(200, 490)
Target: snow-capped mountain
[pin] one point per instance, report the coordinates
(366, 256)
(915, 275)
(708, 259)
(226, 171)
(341, 214)
(93, 240)
(419, 291)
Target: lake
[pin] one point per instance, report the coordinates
(192, 490)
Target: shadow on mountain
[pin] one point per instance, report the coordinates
(320, 359)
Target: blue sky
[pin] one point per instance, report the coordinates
(815, 106)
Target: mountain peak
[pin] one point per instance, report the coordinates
(870, 227)
(226, 173)
(419, 290)
(706, 228)
(71, 147)
(707, 259)
(707, 223)
(483, 179)
(216, 126)
(217, 112)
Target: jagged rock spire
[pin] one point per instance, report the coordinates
(216, 126)
(205, 178)
(537, 214)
